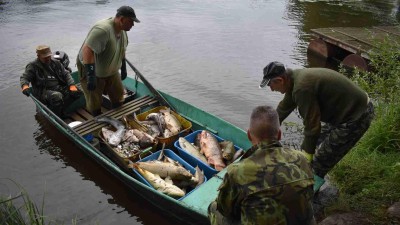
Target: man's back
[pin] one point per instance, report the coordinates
(271, 185)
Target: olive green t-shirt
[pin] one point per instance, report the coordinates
(107, 47)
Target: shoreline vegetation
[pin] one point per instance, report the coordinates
(21, 210)
(368, 177)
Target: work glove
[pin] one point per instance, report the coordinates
(25, 90)
(123, 69)
(318, 182)
(91, 77)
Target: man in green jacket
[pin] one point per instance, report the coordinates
(51, 82)
(100, 58)
(270, 184)
(322, 95)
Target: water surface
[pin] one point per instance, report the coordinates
(209, 53)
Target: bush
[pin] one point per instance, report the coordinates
(369, 175)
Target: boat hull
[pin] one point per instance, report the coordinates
(187, 212)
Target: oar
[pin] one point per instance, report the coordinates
(156, 94)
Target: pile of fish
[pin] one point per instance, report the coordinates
(168, 176)
(162, 124)
(208, 150)
(127, 142)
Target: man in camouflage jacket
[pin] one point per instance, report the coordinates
(270, 184)
(51, 83)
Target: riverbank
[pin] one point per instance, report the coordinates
(368, 177)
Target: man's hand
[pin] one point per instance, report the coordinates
(74, 92)
(73, 88)
(124, 74)
(91, 77)
(25, 90)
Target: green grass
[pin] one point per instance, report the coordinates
(21, 210)
(368, 177)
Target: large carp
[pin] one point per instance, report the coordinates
(165, 169)
(117, 136)
(209, 146)
(189, 148)
(159, 184)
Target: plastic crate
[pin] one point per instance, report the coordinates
(121, 160)
(193, 161)
(169, 142)
(172, 155)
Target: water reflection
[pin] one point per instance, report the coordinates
(310, 14)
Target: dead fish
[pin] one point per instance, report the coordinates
(117, 136)
(107, 133)
(171, 122)
(153, 130)
(165, 169)
(160, 185)
(199, 176)
(188, 147)
(237, 154)
(209, 146)
(145, 140)
(167, 133)
(130, 137)
(156, 117)
(228, 150)
(195, 181)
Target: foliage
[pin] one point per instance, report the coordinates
(21, 210)
(369, 175)
(382, 83)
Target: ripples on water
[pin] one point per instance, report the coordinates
(209, 53)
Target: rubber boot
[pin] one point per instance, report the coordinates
(96, 112)
(58, 110)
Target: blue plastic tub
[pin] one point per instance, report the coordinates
(172, 155)
(193, 161)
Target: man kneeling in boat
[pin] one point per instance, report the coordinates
(51, 82)
(270, 184)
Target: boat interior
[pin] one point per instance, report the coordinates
(78, 112)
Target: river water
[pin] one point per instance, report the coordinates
(209, 53)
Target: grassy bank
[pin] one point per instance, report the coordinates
(21, 210)
(368, 177)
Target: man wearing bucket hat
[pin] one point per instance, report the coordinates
(101, 56)
(51, 83)
(321, 96)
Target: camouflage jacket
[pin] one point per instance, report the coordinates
(37, 75)
(269, 185)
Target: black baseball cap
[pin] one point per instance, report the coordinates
(127, 11)
(272, 70)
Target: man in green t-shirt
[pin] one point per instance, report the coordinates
(101, 56)
(322, 95)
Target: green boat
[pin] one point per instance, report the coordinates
(141, 97)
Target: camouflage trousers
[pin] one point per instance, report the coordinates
(336, 141)
(56, 100)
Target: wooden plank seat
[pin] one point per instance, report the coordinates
(91, 125)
